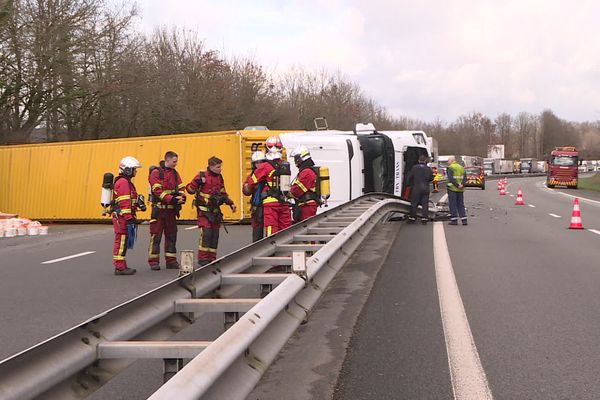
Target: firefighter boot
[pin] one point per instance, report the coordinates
(174, 265)
(202, 263)
(126, 271)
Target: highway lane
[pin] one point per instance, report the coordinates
(39, 300)
(529, 287)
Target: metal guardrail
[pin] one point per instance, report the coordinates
(75, 363)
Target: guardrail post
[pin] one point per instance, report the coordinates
(230, 319)
(299, 264)
(171, 367)
(186, 266)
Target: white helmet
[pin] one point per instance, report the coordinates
(300, 154)
(258, 156)
(274, 147)
(128, 165)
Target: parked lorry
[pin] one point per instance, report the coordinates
(361, 161)
(491, 166)
(530, 166)
(506, 166)
(471, 161)
(563, 167)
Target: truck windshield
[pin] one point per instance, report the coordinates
(564, 161)
(472, 171)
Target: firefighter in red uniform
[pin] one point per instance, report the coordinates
(125, 203)
(276, 209)
(209, 188)
(304, 186)
(258, 157)
(167, 198)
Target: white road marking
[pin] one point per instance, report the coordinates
(468, 377)
(554, 215)
(68, 257)
(594, 231)
(531, 205)
(444, 198)
(512, 195)
(191, 227)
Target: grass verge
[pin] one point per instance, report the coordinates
(590, 183)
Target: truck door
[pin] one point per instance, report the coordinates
(411, 157)
(378, 154)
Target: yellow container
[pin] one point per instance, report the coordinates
(62, 181)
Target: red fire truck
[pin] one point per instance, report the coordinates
(562, 167)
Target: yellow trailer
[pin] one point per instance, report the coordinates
(62, 181)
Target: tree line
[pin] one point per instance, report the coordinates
(79, 70)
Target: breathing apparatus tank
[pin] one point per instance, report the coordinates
(106, 197)
(323, 185)
(284, 177)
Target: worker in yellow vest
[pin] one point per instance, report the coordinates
(456, 188)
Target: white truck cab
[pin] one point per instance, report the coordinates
(360, 161)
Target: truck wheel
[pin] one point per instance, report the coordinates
(483, 187)
(550, 186)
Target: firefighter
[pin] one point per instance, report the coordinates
(124, 205)
(256, 207)
(436, 179)
(276, 209)
(304, 186)
(167, 198)
(209, 188)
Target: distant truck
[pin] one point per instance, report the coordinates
(491, 166)
(472, 161)
(563, 167)
(506, 166)
(531, 166)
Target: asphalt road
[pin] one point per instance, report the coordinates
(528, 286)
(39, 300)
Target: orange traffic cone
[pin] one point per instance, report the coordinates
(502, 191)
(520, 201)
(499, 185)
(576, 216)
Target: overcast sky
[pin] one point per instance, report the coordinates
(420, 59)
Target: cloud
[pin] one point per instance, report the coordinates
(425, 59)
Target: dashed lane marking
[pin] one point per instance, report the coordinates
(594, 231)
(554, 215)
(531, 205)
(68, 257)
(468, 377)
(191, 227)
